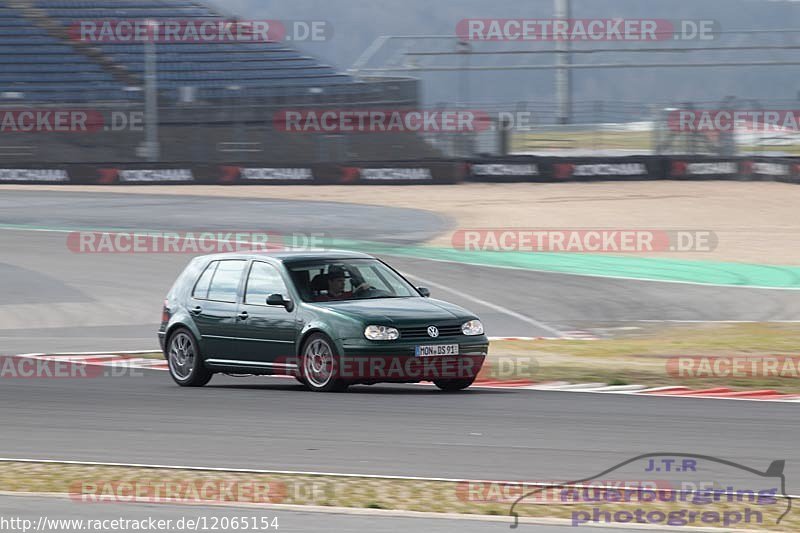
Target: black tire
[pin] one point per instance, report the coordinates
(453, 385)
(316, 348)
(181, 345)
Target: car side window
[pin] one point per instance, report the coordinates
(264, 279)
(204, 282)
(225, 282)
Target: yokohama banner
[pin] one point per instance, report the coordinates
(398, 173)
(770, 169)
(702, 168)
(591, 169)
(496, 169)
(508, 169)
(348, 173)
(34, 175)
(551, 169)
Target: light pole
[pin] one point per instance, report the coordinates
(465, 49)
(234, 109)
(563, 72)
(151, 93)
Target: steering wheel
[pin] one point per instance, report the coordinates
(361, 289)
(372, 292)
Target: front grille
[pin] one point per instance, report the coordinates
(421, 332)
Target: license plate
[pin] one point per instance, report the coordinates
(432, 350)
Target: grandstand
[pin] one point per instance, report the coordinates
(215, 99)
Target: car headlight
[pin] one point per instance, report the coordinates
(472, 328)
(381, 333)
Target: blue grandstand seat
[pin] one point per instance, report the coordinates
(53, 67)
(49, 67)
(164, 66)
(24, 40)
(29, 53)
(199, 48)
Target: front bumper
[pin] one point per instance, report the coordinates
(378, 362)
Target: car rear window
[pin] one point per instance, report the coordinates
(220, 281)
(201, 288)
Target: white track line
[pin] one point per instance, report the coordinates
(551, 385)
(132, 352)
(644, 394)
(713, 321)
(621, 388)
(582, 386)
(613, 388)
(659, 389)
(490, 305)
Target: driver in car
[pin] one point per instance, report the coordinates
(336, 281)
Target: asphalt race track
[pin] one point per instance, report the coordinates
(202, 213)
(56, 300)
(271, 423)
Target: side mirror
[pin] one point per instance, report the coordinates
(278, 300)
(426, 293)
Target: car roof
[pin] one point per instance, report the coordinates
(292, 256)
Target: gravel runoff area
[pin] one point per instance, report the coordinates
(658, 504)
(755, 222)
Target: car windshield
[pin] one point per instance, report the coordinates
(350, 279)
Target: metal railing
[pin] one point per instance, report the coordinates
(241, 128)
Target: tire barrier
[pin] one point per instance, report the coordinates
(438, 172)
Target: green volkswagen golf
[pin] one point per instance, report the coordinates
(330, 319)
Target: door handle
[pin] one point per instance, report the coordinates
(243, 315)
(196, 310)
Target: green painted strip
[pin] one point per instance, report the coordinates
(640, 268)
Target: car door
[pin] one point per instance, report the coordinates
(266, 333)
(214, 305)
